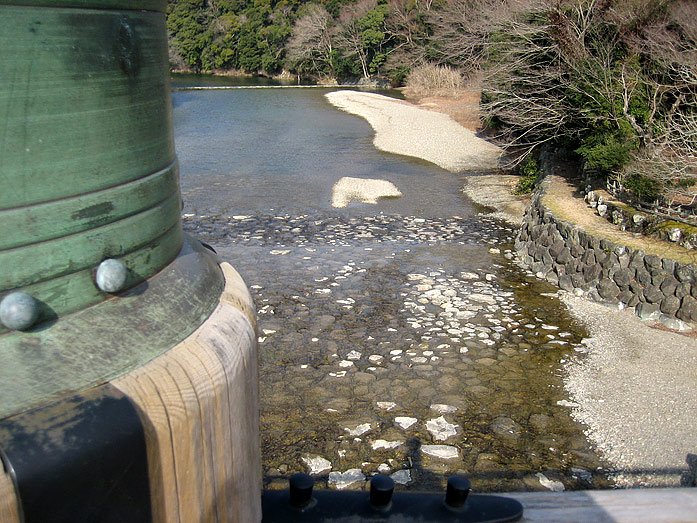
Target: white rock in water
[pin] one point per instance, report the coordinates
(343, 480)
(405, 422)
(402, 477)
(349, 189)
(441, 451)
(469, 276)
(277, 252)
(317, 465)
(554, 486)
(384, 468)
(375, 358)
(386, 405)
(384, 444)
(482, 298)
(441, 408)
(345, 363)
(353, 355)
(441, 429)
(359, 430)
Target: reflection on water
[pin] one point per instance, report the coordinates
(243, 151)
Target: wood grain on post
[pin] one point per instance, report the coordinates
(9, 508)
(198, 403)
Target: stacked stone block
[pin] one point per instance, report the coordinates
(569, 257)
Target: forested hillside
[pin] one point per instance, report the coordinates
(614, 81)
(316, 40)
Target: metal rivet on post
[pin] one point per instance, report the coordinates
(381, 490)
(111, 275)
(458, 489)
(18, 311)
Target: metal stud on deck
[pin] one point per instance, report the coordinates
(301, 504)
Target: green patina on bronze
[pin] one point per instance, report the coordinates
(100, 343)
(87, 162)
(88, 172)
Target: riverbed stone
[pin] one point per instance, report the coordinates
(505, 427)
(344, 480)
(401, 477)
(441, 429)
(317, 465)
(446, 452)
(405, 422)
(380, 310)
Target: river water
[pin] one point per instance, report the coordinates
(396, 337)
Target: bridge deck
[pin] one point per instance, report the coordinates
(600, 506)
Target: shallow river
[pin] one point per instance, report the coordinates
(396, 337)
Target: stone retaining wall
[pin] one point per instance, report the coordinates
(562, 253)
(632, 220)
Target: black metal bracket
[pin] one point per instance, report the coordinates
(81, 458)
(301, 504)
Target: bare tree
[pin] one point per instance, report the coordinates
(525, 80)
(350, 32)
(311, 47)
(462, 29)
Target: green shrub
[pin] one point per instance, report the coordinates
(529, 174)
(642, 187)
(607, 150)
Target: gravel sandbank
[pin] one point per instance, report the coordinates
(403, 128)
(362, 190)
(635, 393)
(496, 192)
